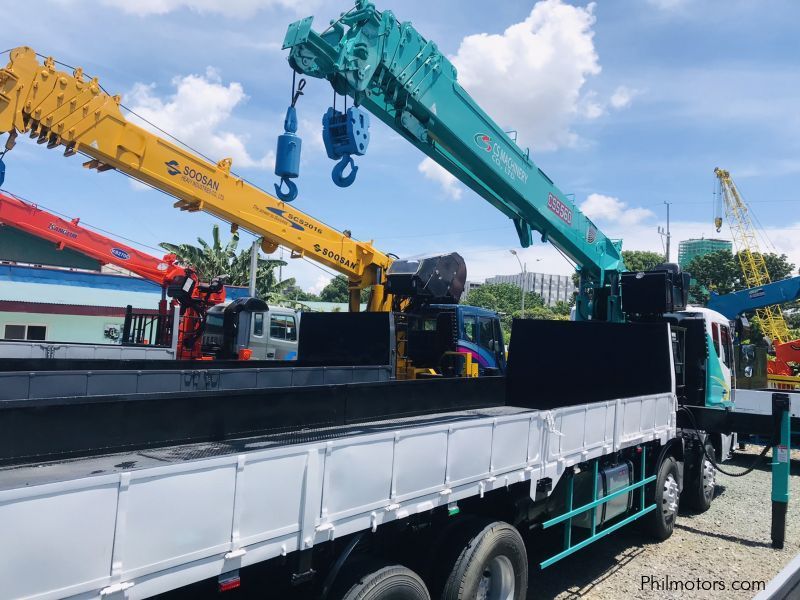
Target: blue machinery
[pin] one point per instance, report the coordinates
(734, 304)
(387, 67)
(401, 78)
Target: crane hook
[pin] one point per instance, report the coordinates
(291, 192)
(338, 172)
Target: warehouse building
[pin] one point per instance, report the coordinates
(552, 288)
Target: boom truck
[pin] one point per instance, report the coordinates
(181, 284)
(60, 109)
(381, 488)
(208, 326)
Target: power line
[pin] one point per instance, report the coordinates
(82, 223)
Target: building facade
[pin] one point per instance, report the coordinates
(552, 288)
(689, 249)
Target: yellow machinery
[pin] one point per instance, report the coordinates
(69, 110)
(63, 109)
(751, 260)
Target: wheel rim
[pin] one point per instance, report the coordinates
(669, 498)
(709, 478)
(497, 581)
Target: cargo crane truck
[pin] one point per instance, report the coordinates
(208, 327)
(181, 284)
(70, 111)
(382, 489)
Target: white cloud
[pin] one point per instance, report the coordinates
(622, 97)
(196, 114)
(321, 282)
(530, 77)
(138, 186)
(608, 208)
(239, 9)
(450, 185)
(486, 261)
(668, 4)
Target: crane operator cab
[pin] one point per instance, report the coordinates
(437, 336)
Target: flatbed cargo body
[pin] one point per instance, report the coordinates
(178, 518)
(134, 495)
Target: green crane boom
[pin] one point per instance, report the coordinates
(391, 70)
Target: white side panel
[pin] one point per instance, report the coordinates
(176, 517)
(358, 476)
(63, 540)
(270, 497)
(759, 402)
(159, 528)
(469, 452)
(420, 464)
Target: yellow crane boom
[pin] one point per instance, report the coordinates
(70, 110)
(751, 259)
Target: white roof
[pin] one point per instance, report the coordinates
(83, 296)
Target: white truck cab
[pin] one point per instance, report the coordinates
(248, 327)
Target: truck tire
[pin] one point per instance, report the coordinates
(699, 490)
(660, 523)
(493, 565)
(387, 582)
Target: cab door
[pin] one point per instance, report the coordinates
(282, 343)
(720, 365)
(258, 339)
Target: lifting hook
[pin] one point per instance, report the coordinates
(286, 196)
(338, 172)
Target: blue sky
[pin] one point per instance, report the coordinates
(624, 104)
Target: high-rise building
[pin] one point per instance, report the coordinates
(689, 249)
(551, 288)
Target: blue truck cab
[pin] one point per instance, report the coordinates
(440, 328)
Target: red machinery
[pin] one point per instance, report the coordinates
(181, 284)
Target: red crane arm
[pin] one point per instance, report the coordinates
(69, 234)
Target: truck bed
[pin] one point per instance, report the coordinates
(150, 521)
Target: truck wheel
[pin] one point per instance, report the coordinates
(700, 489)
(493, 565)
(659, 523)
(392, 582)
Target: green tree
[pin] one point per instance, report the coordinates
(634, 260)
(215, 259)
(337, 291)
(506, 299)
(641, 260)
(721, 272)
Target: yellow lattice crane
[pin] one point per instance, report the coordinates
(751, 260)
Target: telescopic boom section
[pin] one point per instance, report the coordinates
(403, 79)
(66, 109)
(70, 234)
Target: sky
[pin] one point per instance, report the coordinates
(626, 105)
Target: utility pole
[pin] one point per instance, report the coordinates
(666, 235)
(253, 267)
(524, 279)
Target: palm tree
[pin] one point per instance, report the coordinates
(214, 259)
